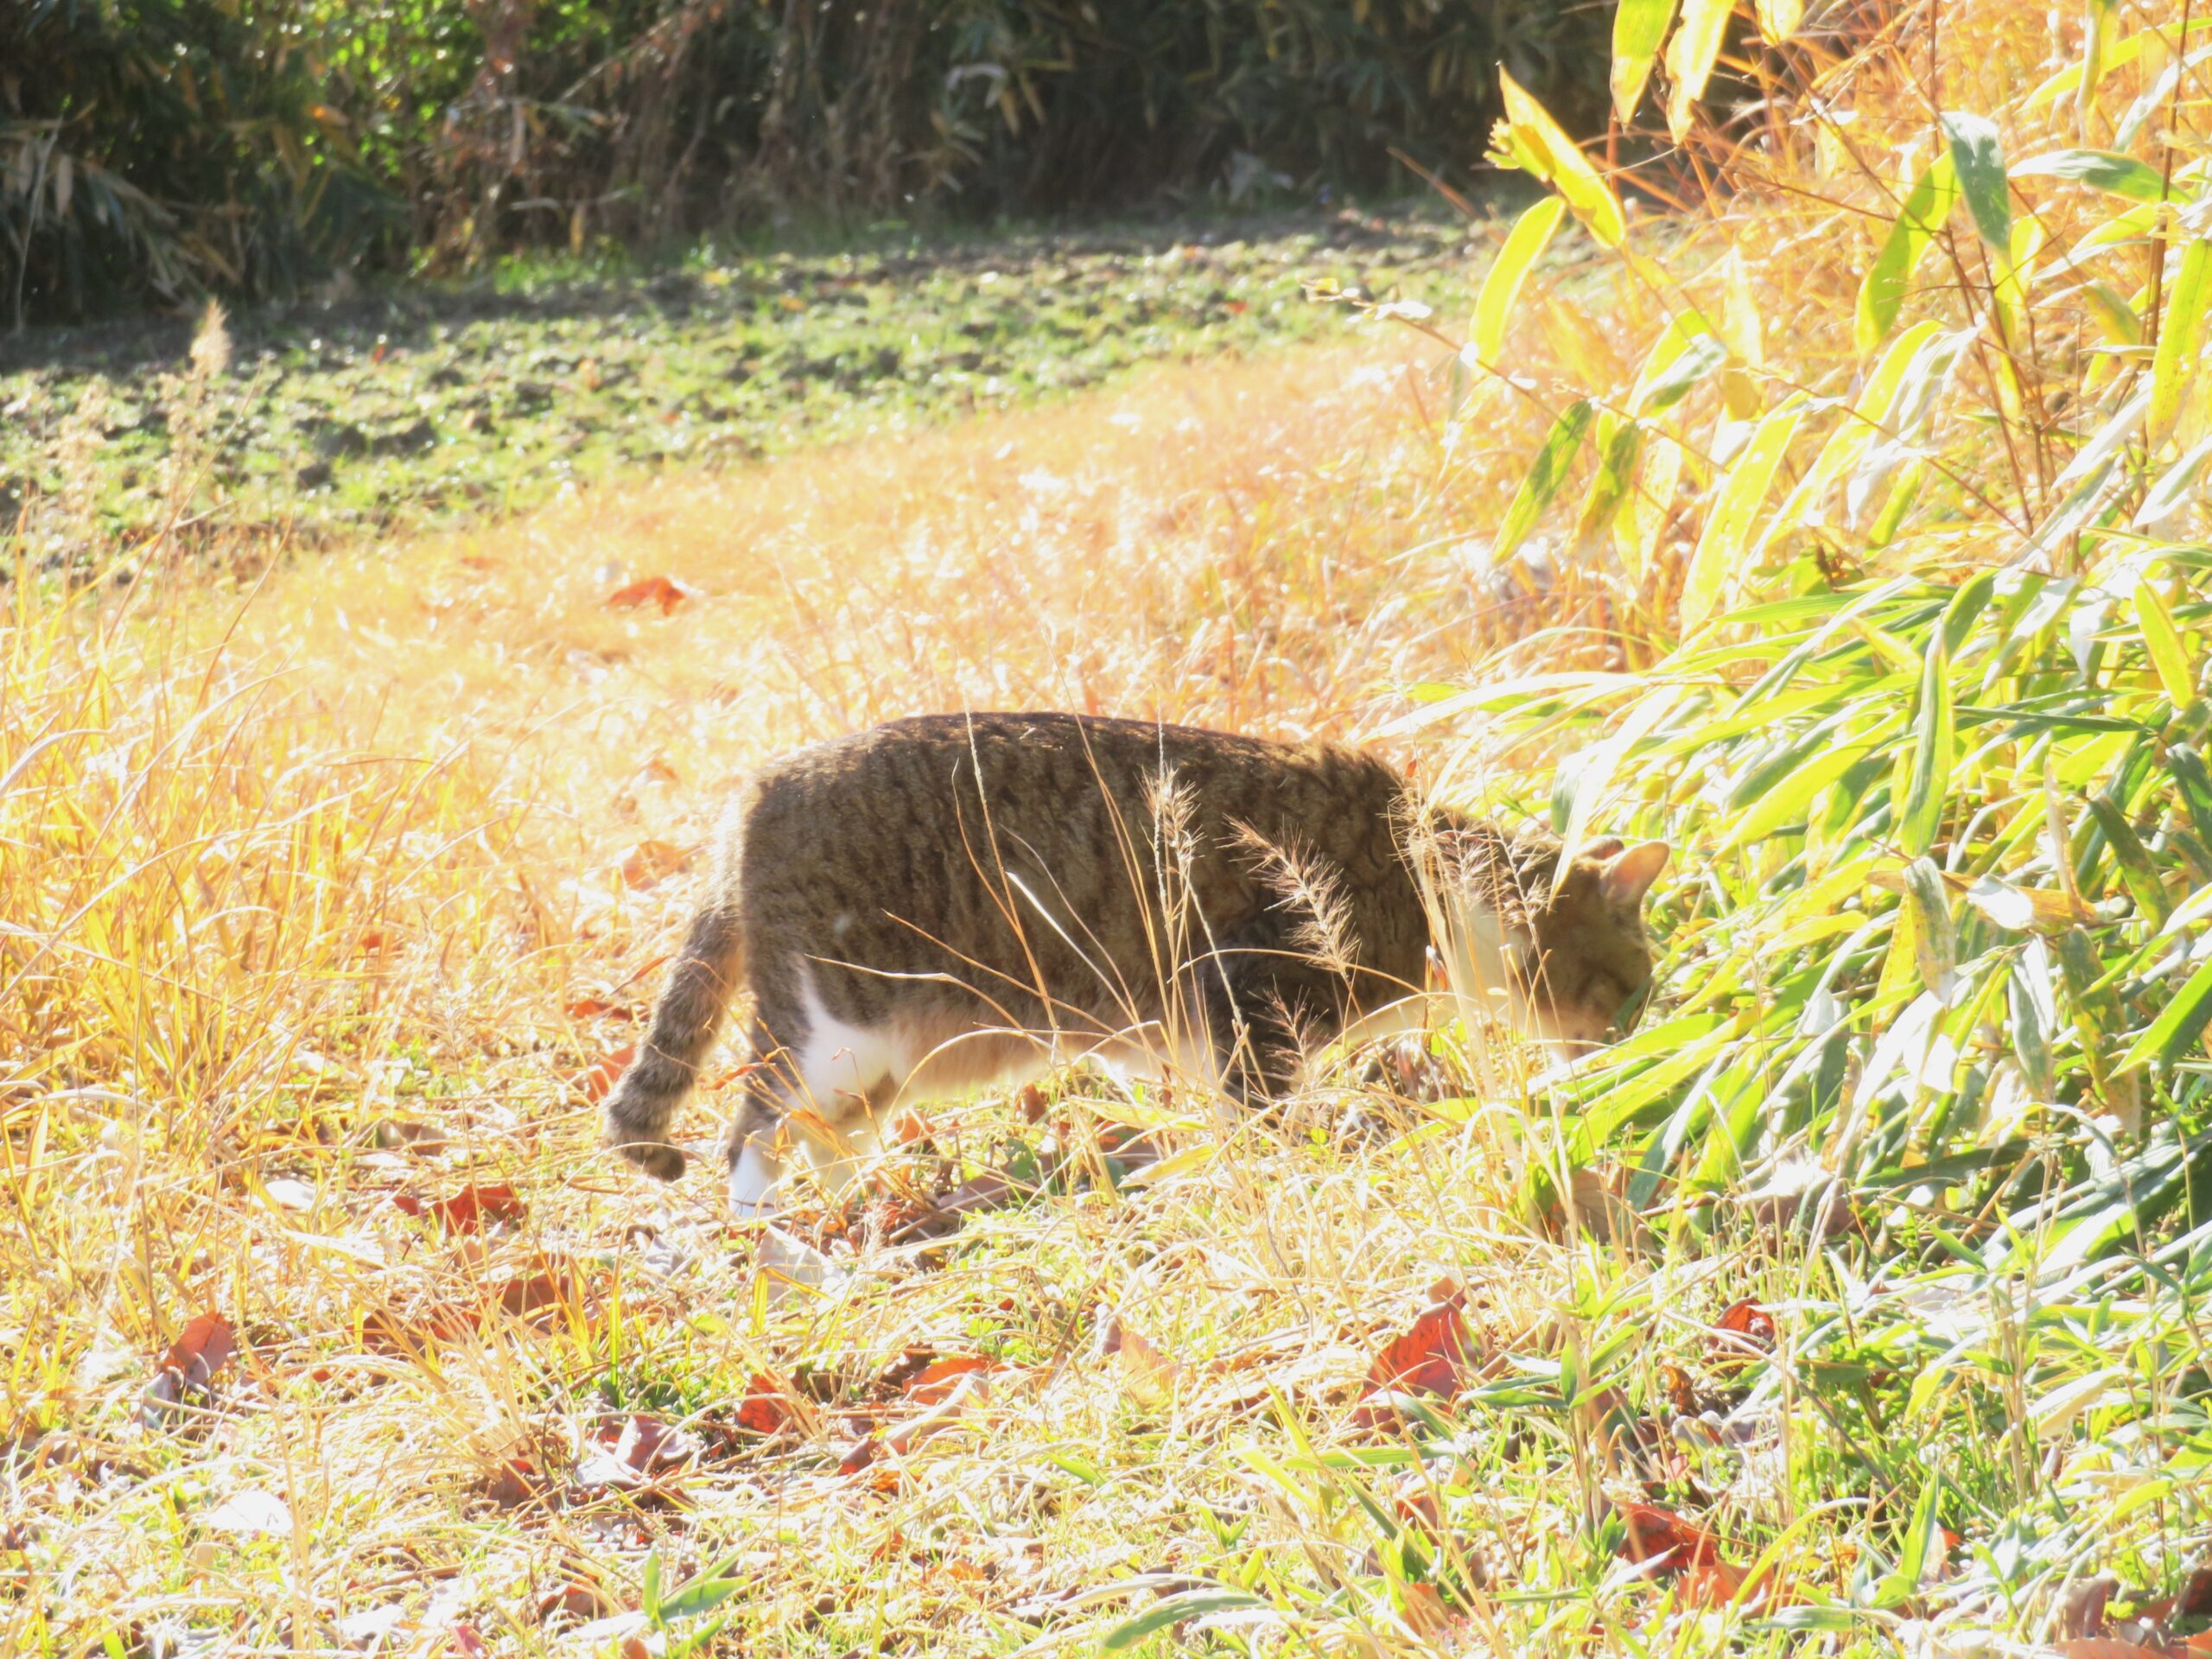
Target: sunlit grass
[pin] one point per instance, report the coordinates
(312, 895)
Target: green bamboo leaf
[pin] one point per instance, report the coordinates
(1920, 813)
(1619, 443)
(2163, 642)
(1966, 604)
(1791, 798)
(2096, 57)
(1921, 1541)
(2180, 1023)
(1544, 478)
(1935, 935)
(1690, 57)
(702, 1594)
(1595, 775)
(1531, 233)
(1638, 27)
(2195, 778)
(1686, 352)
(2034, 1009)
(2116, 319)
(1856, 433)
(1721, 546)
(2181, 337)
(1881, 294)
(1535, 144)
(2101, 169)
(1188, 1603)
(1978, 159)
(2174, 489)
(2137, 872)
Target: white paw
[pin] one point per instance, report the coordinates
(752, 1180)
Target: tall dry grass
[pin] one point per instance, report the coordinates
(303, 870)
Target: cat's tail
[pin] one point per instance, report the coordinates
(683, 1025)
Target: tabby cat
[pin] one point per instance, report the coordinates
(950, 900)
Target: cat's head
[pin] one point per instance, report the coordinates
(1584, 972)
(1560, 954)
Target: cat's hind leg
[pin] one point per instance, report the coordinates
(820, 1094)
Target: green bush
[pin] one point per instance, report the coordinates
(152, 148)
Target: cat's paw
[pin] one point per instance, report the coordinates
(656, 1158)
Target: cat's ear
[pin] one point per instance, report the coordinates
(1628, 875)
(1603, 847)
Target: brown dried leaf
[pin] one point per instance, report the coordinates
(554, 1283)
(574, 1604)
(1433, 1354)
(1150, 1374)
(652, 861)
(665, 592)
(466, 1210)
(599, 1008)
(936, 1382)
(594, 1080)
(201, 1350)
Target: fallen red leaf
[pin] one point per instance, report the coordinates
(578, 1602)
(202, 1349)
(517, 1481)
(1711, 1583)
(468, 1643)
(632, 1452)
(553, 1283)
(1433, 1355)
(764, 1409)
(594, 1080)
(663, 591)
(1744, 1327)
(1663, 1542)
(2195, 1600)
(467, 1209)
(937, 1380)
(598, 1008)
(650, 862)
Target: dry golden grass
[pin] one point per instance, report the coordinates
(317, 864)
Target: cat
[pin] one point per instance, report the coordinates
(948, 900)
